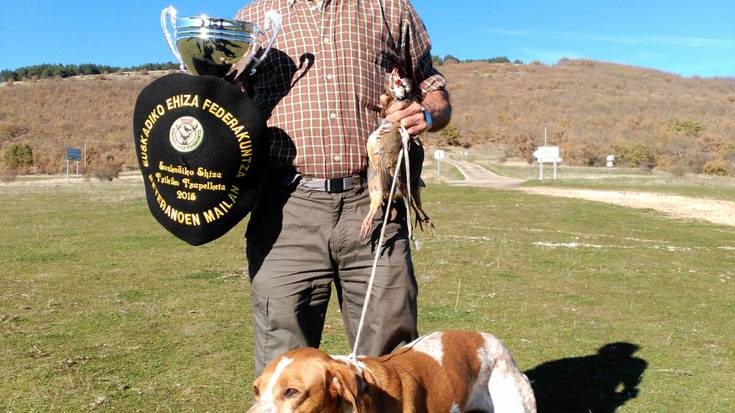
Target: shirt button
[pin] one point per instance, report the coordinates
(327, 41)
(329, 76)
(337, 158)
(333, 115)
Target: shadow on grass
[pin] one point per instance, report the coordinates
(598, 383)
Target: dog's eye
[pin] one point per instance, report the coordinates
(290, 393)
(256, 391)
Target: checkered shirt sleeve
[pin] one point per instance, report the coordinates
(320, 85)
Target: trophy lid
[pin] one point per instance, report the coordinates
(200, 143)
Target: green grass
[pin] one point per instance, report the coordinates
(447, 172)
(99, 301)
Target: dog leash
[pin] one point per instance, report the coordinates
(402, 157)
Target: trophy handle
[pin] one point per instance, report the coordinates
(170, 11)
(272, 25)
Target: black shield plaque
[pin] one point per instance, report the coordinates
(199, 141)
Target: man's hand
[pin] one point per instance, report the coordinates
(409, 114)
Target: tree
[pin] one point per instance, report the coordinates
(524, 146)
(450, 59)
(18, 155)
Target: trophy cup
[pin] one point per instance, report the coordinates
(198, 137)
(210, 46)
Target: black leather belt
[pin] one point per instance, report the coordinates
(334, 185)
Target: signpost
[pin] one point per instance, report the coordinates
(546, 154)
(610, 160)
(73, 154)
(439, 155)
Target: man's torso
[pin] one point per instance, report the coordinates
(321, 83)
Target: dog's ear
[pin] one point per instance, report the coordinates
(347, 384)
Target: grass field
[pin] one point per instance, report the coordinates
(606, 308)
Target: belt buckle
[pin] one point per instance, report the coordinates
(334, 185)
(356, 181)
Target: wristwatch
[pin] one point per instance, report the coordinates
(427, 117)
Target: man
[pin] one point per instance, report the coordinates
(320, 88)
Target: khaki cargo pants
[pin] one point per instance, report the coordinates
(299, 242)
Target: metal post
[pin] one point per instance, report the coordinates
(540, 170)
(67, 169)
(437, 169)
(555, 169)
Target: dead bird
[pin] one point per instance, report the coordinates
(384, 147)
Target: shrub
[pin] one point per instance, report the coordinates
(10, 129)
(632, 154)
(689, 128)
(451, 135)
(8, 175)
(719, 167)
(108, 169)
(18, 155)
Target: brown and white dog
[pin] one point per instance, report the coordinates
(449, 372)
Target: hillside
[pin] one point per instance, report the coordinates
(591, 109)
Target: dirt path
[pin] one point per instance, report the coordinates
(715, 211)
(476, 175)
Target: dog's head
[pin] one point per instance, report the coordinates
(308, 380)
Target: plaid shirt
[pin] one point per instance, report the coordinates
(321, 83)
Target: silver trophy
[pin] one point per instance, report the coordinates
(219, 47)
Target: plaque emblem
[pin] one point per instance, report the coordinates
(186, 134)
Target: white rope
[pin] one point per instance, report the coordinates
(405, 137)
(353, 355)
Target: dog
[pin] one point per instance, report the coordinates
(445, 372)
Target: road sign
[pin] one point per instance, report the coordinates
(73, 154)
(439, 156)
(610, 159)
(548, 154)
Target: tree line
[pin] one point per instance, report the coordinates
(438, 60)
(46, 71)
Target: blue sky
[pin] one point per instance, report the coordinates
(681, 36)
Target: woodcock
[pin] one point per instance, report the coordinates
(383, 149)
